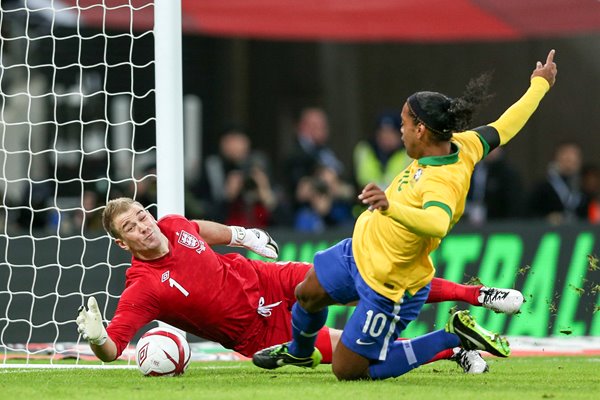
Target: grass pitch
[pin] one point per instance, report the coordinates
(516, 378)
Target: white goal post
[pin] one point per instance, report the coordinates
(82, 120)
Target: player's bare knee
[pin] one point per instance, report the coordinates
(348, 373)
(311, 301)
(310, 294)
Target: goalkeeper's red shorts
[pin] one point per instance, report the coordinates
(273, 324)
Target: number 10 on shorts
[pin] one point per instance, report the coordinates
(374, 324)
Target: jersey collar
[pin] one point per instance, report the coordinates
(441, 160)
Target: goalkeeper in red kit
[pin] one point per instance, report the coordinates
(245, 305)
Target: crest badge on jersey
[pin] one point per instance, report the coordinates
(190, 241)
(164, 277)
(418, 174)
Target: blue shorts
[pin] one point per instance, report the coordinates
(377, 321)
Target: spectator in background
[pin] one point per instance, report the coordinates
(382, 157)
(324, 201)
(590, 186)
(495, 192)
(310, 149)
(558, 197)
(236, 183)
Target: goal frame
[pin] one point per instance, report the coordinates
(169, 134)
(169, 107)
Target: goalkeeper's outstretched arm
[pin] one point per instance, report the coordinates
(254, 239)
(89, 325)
(106, 352)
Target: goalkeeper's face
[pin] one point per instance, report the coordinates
(139, 233)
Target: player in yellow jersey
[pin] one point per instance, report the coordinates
(386, 267)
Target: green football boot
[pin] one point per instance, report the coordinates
(475, 337)
(278, 356)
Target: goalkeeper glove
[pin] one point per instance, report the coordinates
(254, 239)
(89, 323)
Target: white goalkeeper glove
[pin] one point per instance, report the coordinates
(254, 239)
(89, 323)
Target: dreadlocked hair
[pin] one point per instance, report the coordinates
(463, 108)
(443, 115)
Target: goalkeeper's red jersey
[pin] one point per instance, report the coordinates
(242, 304)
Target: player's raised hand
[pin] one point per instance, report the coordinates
(89, 323)
(374, 197)
(548, 70)
(256, 240)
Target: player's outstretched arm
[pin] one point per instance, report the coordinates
(89, 325)
(513, 119)
(253, 239)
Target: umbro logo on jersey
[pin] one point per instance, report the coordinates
(360, 342)
(164, 277)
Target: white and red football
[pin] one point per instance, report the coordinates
(162, 352)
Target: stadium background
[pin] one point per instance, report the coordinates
(259, 63)
(263, 82)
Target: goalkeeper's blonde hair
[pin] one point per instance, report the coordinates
(113, 208)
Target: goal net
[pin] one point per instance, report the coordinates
(77, 128)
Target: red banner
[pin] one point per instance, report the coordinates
(361, 20)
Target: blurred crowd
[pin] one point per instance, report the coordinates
(313, 190)
(310, 189)
(60, 166)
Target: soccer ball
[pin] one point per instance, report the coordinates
(162, 352)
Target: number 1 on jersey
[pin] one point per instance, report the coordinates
(174, 283)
